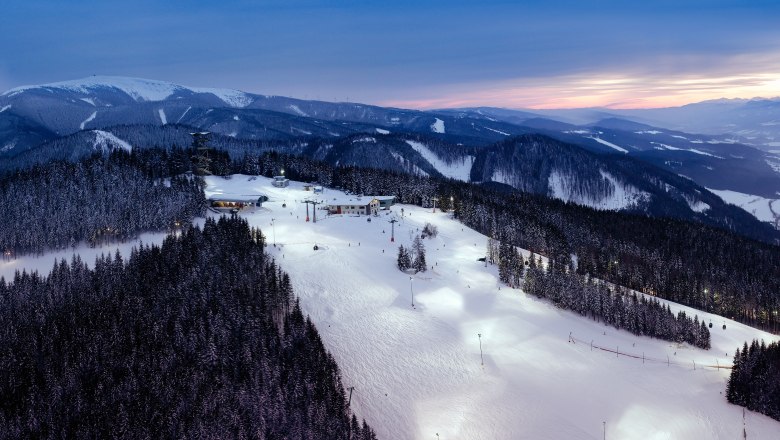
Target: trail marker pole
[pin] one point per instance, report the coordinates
(350, 395)
(482, 359)
(605, 430)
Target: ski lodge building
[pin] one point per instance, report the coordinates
(360, 205)
(280, 182)
(230, 202)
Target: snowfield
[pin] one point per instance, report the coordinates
(458, 170)
(766, 210)
(418, 371)
(437, 126)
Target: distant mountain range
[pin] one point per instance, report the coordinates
(601, 158)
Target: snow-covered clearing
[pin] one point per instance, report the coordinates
(163, 119)
(498, 131)
(459, 170)
(382, 131)
(105, 142)
(438, 126)
(417, 371)
(622, 195)
(297, 110)
(233, 98)
(609, 144)
(182, 115)
(762, 208)
(6, 107)
(90, 118)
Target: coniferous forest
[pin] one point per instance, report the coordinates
(755, 379)
(99, 199)
(620, 309)
(201, 337)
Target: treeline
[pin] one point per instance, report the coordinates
(755, 378)
(701, 266)
(99, 199)
(199, 338)
(619, 308)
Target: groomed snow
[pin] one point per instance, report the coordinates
(297, 110)
(417, 372)
(438, 126)
(459, 170)
(182, 115)
(762, 208)
(609, 144)
(498, 131)
(106, 142)
(623, 196)
(89, 119)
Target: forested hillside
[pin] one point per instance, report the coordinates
(755, 380)
(199, 338)
(95, 200)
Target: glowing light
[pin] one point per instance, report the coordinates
(610, 90)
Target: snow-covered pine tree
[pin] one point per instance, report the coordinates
(419, 263)
(404, 261)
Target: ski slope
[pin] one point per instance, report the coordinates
(417, 371)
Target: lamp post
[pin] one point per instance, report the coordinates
(273, 227)
(411, 288)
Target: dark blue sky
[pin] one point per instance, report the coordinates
(417, 54)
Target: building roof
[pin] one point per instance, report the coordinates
(236, 197)
(354, 200)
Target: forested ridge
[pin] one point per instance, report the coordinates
(201, 337)
(98, 199)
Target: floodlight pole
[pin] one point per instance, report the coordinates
(412, 289)
(273, 226)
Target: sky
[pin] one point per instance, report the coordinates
(414, 54)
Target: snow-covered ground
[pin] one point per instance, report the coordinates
(89, 119)
(609, 144)
(417, 371)
(762, 208)
(437, 126)
(459, 170)
(623, 195)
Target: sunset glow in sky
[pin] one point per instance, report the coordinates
(420, 54)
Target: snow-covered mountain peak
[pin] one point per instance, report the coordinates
(141, 90)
